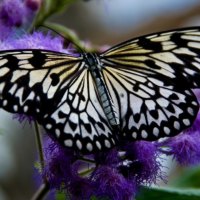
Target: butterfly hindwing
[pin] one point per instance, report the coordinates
(79, 120)
(148, 108)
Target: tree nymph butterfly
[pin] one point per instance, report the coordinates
(139, 89)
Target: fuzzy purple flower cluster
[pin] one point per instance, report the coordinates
(16, 15)
(116, 174)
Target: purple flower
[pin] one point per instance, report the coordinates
(39, 40)
(184, 148)
(143, 162)
(23, 118)
(81, 188)
(12, 12)
(16, 14)
(110, 183)
(33, 4)
(58, 164)
(110, 157)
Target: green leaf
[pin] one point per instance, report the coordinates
(61, 195)
(168, 193)
(65, 32)
(49, 8)
(189, 177)
(57, 6)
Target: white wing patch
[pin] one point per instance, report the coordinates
(83, 118)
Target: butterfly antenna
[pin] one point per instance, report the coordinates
(71, 37)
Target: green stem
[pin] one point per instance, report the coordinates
(87, 160)
(44, 188)
(41, 192)
(39, 144)
(86, 172)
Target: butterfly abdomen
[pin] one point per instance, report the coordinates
(94, 67)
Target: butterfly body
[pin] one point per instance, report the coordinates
(95, 67)
(139, 89)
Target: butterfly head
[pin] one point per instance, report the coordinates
(92, 60)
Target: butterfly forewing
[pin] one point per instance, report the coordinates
(58, 91)
(174, 54)
(29, 80)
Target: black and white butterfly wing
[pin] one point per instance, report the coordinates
(150, 80)
(58, 91)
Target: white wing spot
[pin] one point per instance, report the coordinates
(65, 108)
(74, 118)
(188, 92)
(177, 125)
(89, 147)
(57, 131)
(78, 144)
(186, 122)
(166, 130)
(13, 89)
(144, 134)
(156, 81)
(4, 71)
(68, 143)
(48, 126)
(190, 71)
(194, 103)
(3, 61)
(107, 143)
(24, 62)
(113, 140)
(2, 85)
(150, 84)
(15, 108)
(23, 56)
(98, 145)
(25, 108)
(163, 102)
(70, 97)
(151, 105)
(194, 45)
(156, 131)
(5, 102)
(167, 57)
(134, 135)
(190, 111)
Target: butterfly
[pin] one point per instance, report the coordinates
(140, 89)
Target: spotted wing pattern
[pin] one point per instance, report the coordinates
(58, 91)
(150, 81)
